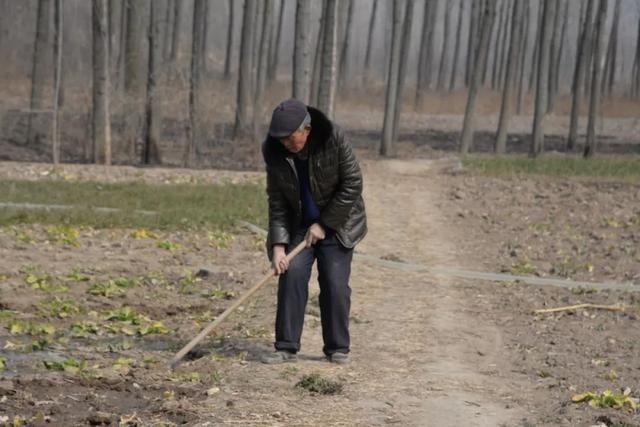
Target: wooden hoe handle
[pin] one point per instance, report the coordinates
(187, 348)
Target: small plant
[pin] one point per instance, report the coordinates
(77, 276)
(122, 365)
(44, 283)
(523, 267)
(71, 366)
(168, 245)
(219, 293)
(187, 377)
(608, 399)
(3, 363)
(111, 288)
(63, 235)
(59, 307)
(316, 383)
(17, 327)
(83, 328)
(154, 328)
(124, 314)
(220, 239)
(143, 233)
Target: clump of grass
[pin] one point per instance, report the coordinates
(59, 307)
(609, 167)
(179, 206)
(316, 383)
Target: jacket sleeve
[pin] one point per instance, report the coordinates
(279, 212)
(336, 213)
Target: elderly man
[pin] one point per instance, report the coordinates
(314, 186)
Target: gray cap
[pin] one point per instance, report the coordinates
(287, 118)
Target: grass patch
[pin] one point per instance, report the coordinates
(608, 167)
(180, 206)
(316, 383)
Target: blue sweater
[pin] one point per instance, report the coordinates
(310, 209)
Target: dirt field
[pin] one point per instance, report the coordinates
(427, 349)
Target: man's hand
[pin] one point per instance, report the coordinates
(279, 261)
(315, 233)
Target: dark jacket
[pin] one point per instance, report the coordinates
(335, 181)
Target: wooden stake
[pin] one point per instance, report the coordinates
(614, 307)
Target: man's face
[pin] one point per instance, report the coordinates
(295, 142)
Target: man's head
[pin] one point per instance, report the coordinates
(291, 124)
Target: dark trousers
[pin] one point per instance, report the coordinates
(334, 269)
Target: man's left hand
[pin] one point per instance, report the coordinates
(315, 233)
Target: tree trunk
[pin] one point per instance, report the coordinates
(344, 55)
(472, 42)
(229, 52)
(542, 86)
(579, 74)
(197, 40)
(275, 45)
(504, 46)
(317, 60)
(204, 57)
(241, 126)
(512, 58)
(367, 58)
(553, 55)
(327, 89)
(535, 58)
(445, 46)
(119, 73)
(263, 59)
(405, 47)
(168, 27)
(150, 152)
(178, 6)
(563, 37)
(635, 74)
(41, 63)
(391, 99)
(488, 16)
(425, 61)
(594, 101)
(502, 28)
(57, 71)
(456, 50)
(101, 117)
(302, 52)
(134, 56)
(612, 50)
(523, 57)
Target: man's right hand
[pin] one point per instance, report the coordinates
(279, 261)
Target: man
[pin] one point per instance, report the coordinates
(314, 186)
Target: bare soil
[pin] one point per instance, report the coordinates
(426, 349)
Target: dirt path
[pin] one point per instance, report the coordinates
(425, 359)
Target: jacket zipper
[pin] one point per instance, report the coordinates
(295, 173)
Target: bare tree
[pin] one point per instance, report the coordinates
(40, 64)
(474, 16)
(344, 54)
(135, 55)
(405, 47)
(535, 57)
(367, 58)
(274, 50)
(227, 58)
(612, 52)
(553, 56)
(425, 60)
(505, 110)
(57, 71)
(584, 46)
(101, 118)
(168, 28)
(542, 86)
(445, 46)
(327, 89)
(456, 49)
(635, 73)
(118, 74)
(523, 57)
(262, 69)
(500, 30)
(317, 60)
(555, 83)
(598, 62)
(391, 99)
(178, 6)
(150, 152)
(197, 31)
(244, 75)
(302, 52)
(482, 47)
